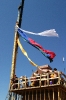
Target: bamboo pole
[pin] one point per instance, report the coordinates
(36, 94)
(15, 48)
(58, 94)
(53, 94)
(32, 95)
(47, 78)
(25, 95)
(40, 94)
(61, 95)
(28, 95)
(48, 94)
(44, 94)
(40, 80)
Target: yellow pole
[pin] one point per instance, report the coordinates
(15, 48)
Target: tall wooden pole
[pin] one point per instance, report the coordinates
(15, 48)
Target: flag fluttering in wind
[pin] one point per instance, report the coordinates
(25, 53)
(49, 54)
(50, 33)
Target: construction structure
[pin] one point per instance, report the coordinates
(44, 84)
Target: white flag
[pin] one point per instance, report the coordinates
(51, 33)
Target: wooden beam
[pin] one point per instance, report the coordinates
(15, 48)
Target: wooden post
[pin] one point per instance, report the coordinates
(40, 94)
(40, 80)
(53, 94)
(32, 95)
(48, 95)
(15, 48)
(44, 94)
(36, 94)
(59, 78)
(58, 94)
(25, 95)
(28, 95)
(61, 95)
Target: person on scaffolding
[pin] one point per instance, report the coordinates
(15, 82)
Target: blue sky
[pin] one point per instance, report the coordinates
(38, 16)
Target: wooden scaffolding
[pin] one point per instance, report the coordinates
(46, 88)
(43, 90)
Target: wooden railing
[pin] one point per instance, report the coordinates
(40, 81)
